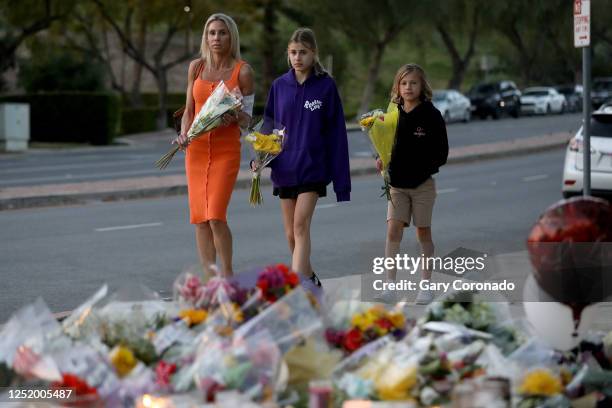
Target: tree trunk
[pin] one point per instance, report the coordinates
(162, 86)
(141, 41)
(373, 71)
(269, 42)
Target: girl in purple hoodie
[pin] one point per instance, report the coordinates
(306, 101)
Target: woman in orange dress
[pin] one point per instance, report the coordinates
(212, 160)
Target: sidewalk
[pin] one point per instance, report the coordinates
(160, 186)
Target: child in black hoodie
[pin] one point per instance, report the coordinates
(421, 147)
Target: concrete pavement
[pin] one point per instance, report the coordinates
(167, 185)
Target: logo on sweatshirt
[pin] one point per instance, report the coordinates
(419, 132)
(314, 105)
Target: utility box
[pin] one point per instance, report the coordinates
(14, 126)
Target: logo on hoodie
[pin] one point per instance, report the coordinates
(314, 105)
(420, 132)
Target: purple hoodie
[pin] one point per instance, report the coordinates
(316, 147)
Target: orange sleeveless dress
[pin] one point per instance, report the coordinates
(212, 160)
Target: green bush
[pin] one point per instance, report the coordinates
(151, 99)
(136, 120)
(77, 117)
(60, 70)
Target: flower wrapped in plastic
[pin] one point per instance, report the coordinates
(220, 102)
(366, 326)
(381, 128)
(267, 140)
(470, 310)
(248, 364)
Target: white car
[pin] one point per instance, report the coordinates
(601, 157)
(452, 105)
(542, 100)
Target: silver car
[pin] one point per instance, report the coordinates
(452, 105)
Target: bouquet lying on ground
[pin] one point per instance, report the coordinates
(266, 139)
(380, 128)
(220, 102)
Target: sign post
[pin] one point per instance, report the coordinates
(582, 39)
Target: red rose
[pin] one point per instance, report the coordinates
(384, 324)
(353, 340)
(293, 279)
(72, 381)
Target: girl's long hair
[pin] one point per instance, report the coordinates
(306, 37)
(426, 92)
(205, 51)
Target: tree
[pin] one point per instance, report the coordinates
(370, 27)
(167, 18)
(23, 19)
(454, 21)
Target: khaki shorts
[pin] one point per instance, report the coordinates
(413, 203)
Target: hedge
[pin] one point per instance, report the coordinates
(77, 117)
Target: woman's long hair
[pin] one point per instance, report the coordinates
(426, 92)
(205, 52)
(306, 37)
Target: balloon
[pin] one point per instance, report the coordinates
(570, 247)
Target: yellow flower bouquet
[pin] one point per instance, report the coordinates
(266, 140)
(381, 128)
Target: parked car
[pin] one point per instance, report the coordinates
(495, 99)
(573, 96)
(601, 157)
(601, 92)
(542, 100)
(452, 105)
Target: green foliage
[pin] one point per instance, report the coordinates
(78, 117)
(60, 70)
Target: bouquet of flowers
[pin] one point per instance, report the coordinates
(366, 326)
(381, 128)
(221, 101)
(267, 140)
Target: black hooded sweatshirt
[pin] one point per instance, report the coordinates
(420, 148)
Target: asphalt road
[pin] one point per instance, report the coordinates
(65, 253)
(114, 162)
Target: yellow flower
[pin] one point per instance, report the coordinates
(237, 314)
(397, 320)
(367, 122)
(265, 143)
(395, 383)
(193, 316)
(123, 360)
(363, 321)
(541, 382)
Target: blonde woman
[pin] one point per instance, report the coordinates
(420, 149)
(212, 160)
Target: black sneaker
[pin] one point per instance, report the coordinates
(315, 279)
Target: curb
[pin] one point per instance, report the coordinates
(359, 167)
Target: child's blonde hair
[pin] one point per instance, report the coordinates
(426, 92)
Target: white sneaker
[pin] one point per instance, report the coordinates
(424, 297)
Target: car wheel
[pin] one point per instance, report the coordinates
(548, 109)
(467, 116)
(516, 112)
(446, 117)
(563, 108)
(496, 113)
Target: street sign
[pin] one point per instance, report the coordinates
(582, 23)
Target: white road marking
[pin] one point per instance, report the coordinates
(362, 154)
(326, 206)
(536, 177)
(447, 190)
(126, 227)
